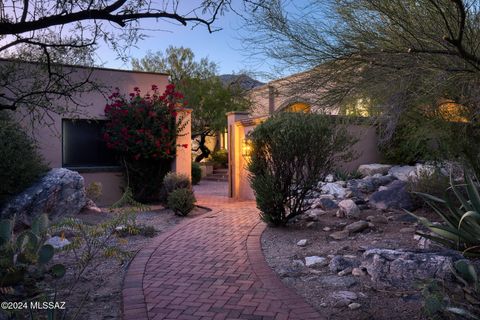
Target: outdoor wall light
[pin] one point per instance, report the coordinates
(246, 148)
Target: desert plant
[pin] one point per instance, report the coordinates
(94, 190)
(220, 157)
(24, 258)
(291, 152)
(461, 227)
(181, 201)
(136, 229)
(433, 182)
(173, 181)
(346, 175)
(20, 163)
(196, 173)
(447, 302)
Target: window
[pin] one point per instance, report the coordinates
(298, 107)
(83, 145)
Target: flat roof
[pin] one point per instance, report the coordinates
(87, 67)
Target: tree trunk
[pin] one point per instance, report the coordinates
(203, 148)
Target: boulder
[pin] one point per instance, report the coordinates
(368, 184)
(363, 185)
(334, 189)
(57, 242)
(348, 208)
(339, 263)
(357, 226)
(327, 203)
(315, 261)
(374, 168)
(60, 192)
(403, 173)
(313, 214)
(334, 281)
(329, 178)
(342, 298)
(395, 196)
(402, 268)
(302, 243)
(339, 235)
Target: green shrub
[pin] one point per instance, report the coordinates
(137, 229)
(461, 227)
(181, 201)
(346, 175)
(291, 152)
(220, 157)
(94, 191)
(196, 173)
(173, 181)
(434, 183)
(420, 137)
(20, 162)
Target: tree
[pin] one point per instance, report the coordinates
(44, 31)
(398, 54)
(178, 62)
(203, 90)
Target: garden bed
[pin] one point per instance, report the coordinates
(319, 285)
(101, 284)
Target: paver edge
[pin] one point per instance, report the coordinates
(270, 279)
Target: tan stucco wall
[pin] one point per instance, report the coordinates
(279, 94)
(49, 138)
(239, 125)
(112, 184)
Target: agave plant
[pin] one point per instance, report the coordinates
(461, 217)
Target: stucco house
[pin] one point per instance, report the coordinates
(276, 96)
(74, 141)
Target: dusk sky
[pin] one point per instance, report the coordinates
(223, 47)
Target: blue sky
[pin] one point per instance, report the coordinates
(223, 47)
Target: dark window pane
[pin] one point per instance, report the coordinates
(83, 145)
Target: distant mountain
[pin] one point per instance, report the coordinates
(244, 81)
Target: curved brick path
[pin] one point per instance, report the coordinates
(211, 267)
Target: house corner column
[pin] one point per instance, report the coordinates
(234, 151)
(183, 158)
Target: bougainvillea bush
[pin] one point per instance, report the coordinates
(143, 130)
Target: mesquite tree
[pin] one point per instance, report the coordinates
(48, 32)
(396, 54)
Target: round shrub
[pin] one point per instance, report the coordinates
(196, 173)
(220, 157)
(291, 152)
(181, 201)
(20, 162)
(173, 181)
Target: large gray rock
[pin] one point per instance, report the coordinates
(339, 263)
(374, 168)
(393, 196)
(60, 192)
(327, 203)
(368, 184)
(403, 173)
(401, 268)
(348, 208)
(334, 189)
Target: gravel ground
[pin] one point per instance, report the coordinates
(319, 284)
(100, 286)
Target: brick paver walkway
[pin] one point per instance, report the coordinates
(211, 267)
